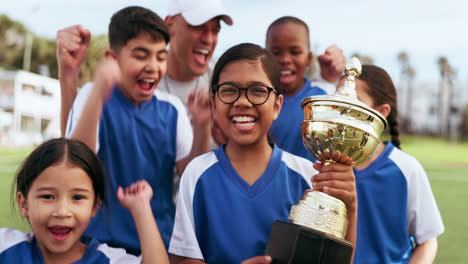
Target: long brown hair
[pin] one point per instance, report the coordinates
(381, 89)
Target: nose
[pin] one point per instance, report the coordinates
(62, 209)
(152, 65)
(208, 37)
(242, 100)
(283, 58)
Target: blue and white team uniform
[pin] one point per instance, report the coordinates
(21, 248)
(396, 205)
(286, 129)
(220, 218)
(137, 142)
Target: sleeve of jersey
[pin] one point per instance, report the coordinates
(424, 220)
(300, 165)
(184, 242)
(10, 237)
(76, 110)
(184, 137)
(118, 255)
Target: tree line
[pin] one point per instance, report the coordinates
(42, 60)
(451, 117)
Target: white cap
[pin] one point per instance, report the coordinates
(197, 12)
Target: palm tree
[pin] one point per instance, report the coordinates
(407, 76)
(411, 74)
(444, 69)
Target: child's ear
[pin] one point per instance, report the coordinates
(384, 109)
(277, 106)
(96, 207)
(22, 204)
(110, 53)
(309, 58)
(212, 102)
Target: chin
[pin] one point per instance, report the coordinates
(246, 141)
(199, 70)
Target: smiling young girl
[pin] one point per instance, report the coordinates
(396, 204)
(229, 198)
(59, 188)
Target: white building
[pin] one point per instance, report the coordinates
(425, 106)
(29, 108)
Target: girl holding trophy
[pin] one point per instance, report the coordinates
(398, 217)
(230, 197)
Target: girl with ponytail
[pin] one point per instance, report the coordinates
(398, 218)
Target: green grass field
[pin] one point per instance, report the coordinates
(445, 163)
(447, 167)
(9, 162)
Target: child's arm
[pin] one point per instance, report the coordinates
(425, 252)
(72, 45)
(338, 181)
(136, 198)
(424, 219)
(106, 74)
(199, 108)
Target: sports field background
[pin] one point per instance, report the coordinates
(446, 164)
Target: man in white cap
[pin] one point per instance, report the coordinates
(194, 27)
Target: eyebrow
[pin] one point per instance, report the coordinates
(136, 49)
(248, 84)
(142, 49)
(76, 189)
(45, 189)
(81, 190)
(257, 83)
(162, 51)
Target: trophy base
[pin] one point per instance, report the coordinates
(290, 243)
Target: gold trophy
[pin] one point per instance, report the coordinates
(336, 129)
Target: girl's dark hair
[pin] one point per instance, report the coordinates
(382, 90)
(252, 53)
(293, 20)
(130, 21)
(55, 151)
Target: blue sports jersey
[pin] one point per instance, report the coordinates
(137, 142)
(21, 248)
(395, 203)
(220, 218)
(286, 129)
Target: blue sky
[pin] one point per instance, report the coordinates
(425, 29)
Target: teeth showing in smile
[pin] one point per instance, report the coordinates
(151, 81)
(284, 73)
(202, 51)
(243, 119)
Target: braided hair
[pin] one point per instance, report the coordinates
(381, 89)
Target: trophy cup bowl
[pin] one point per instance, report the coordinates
(336, 129)
(339, 129)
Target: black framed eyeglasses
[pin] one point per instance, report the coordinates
(229, 93)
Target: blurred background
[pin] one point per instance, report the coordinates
(422, 44)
